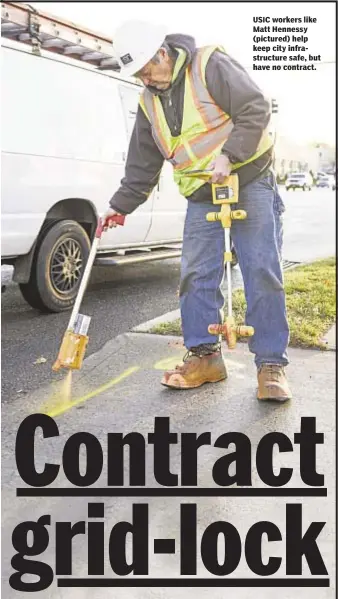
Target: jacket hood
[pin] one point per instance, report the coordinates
(188, 45)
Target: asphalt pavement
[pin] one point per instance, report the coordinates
(309, 224)
(117, 300)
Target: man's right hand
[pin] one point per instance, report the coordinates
(109, 214)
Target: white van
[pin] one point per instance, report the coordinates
(65, 134)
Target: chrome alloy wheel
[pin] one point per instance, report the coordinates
(66, 265)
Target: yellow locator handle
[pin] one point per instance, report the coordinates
(213, 217)
(231, 333)
(241, 331)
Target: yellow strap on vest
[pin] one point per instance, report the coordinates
(207, 51)
(182, 55)
(141, 103)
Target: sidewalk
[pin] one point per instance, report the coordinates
(118, 390)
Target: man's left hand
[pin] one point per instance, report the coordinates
(222, 169)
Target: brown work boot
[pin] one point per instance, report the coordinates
(200, 365)
(272, 383)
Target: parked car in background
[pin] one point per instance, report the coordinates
(302, 181)
(326, 181)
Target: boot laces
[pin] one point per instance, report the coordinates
(274, 371)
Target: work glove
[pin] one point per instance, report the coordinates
(221, 169)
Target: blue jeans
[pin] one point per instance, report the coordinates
(258, 244)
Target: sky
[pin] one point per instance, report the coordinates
(306, 99)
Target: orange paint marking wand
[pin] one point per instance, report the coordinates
(75, 339)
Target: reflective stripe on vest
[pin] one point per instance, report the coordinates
(205, 126)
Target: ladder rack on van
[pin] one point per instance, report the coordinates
(23, 23)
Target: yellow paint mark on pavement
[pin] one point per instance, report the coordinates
(64, 407)
(168, 363)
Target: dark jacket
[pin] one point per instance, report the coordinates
(234, 91)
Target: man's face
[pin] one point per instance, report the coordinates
(157, 74)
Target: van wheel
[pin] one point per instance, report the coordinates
(57, 269)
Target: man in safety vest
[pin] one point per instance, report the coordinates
(200, 109)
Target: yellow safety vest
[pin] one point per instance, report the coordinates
(205, 126)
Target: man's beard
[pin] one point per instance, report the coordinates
(153, 88)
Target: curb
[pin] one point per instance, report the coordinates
(145, 327)
(330, 338)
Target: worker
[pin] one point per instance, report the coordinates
(200, 109)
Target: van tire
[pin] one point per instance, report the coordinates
(44, 290)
